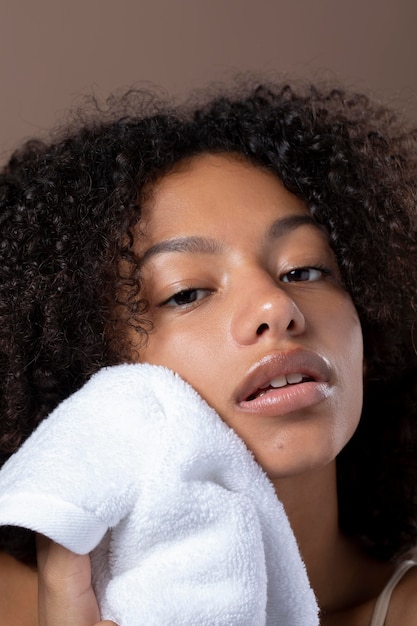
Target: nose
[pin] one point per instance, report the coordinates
(264, 310)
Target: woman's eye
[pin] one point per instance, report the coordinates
(304, 274)
(185, 296)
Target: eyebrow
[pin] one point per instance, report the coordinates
(193, 245)
(285, 225)
(205, 245)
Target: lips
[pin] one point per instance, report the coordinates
(286, 381)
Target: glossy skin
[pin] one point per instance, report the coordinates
(248, 304)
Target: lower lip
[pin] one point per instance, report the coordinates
(284, 400)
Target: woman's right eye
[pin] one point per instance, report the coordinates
(186, 297)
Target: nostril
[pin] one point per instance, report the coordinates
(262, 328)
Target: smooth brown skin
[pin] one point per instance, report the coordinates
(65, 593)
(297, 453)
(240, 307)
(63, 596)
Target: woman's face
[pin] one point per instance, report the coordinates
(248, 307)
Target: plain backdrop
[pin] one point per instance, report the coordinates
(52, 52)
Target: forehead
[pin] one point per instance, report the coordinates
(214, 195)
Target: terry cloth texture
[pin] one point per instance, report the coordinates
(185, 527)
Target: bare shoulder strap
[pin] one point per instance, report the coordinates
(382, 604)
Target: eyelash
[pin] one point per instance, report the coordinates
(323, 271)
(173, 301)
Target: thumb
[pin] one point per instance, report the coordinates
(66, 596)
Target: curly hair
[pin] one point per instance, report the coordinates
(70, 282)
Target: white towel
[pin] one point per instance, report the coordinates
(185, 527)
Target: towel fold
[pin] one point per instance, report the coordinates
(184, 526)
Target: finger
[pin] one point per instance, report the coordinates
(66, 596)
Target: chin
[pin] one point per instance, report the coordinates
(292, 470)
(292, 460)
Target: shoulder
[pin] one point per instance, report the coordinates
(18, 593)
(403, 605)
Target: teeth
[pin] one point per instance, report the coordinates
(281, 381)
(294, 378)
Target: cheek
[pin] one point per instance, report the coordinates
(200, 356)
(350, 356)
(352, 340)
(345, 340)
(188, 352)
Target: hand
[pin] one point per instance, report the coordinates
(66, 596)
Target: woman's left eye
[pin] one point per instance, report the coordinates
(304, 274)
(185, 297)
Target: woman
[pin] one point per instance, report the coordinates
(239, 236)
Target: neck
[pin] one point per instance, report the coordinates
(340, 574)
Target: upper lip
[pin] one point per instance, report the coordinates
(305, 362)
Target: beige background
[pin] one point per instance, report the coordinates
(53, 51)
